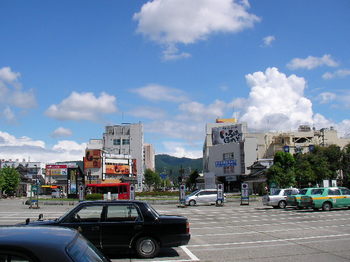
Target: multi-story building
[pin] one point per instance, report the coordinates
(230, 150)
(149, 157)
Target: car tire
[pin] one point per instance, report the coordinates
(192, 202)
(282, 204)
(326, 206)
(147, 247)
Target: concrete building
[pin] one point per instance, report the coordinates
(149, 157)
(127, 140)
(230, 151)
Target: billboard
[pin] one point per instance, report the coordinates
(117, 169)
(227, 134)
(56, 170)
(92, 158)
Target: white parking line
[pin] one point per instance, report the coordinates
(189, 253)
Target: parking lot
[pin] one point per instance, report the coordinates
(236, 233)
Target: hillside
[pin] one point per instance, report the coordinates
(171, 165)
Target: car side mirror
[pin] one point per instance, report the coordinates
(40, 217)
(27, 221)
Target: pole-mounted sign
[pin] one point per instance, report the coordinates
(132, 192)
(244, 194)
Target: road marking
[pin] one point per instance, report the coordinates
(189, 253)
(268, 241)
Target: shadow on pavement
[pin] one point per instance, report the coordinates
(164, 252)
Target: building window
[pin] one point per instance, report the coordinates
(116, 142)
(229, 169)
(126, 141)
(228, 156)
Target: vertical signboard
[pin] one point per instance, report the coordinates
(182, 194)
(81, 192)
(244, 194)
(132, 192)
(220, 195)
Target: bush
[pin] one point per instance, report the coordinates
(157, 193)
(94, 196)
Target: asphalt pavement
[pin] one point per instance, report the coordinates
(235, 232)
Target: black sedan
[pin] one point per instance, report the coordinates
(42, 244)
(120, 225)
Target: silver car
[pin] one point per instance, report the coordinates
(203, 196)
(277, 198)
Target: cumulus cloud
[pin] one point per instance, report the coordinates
(195, 111)
(83, 106)
(276, 101)
(337, 74)
(61, 132)
(326, 97)
(267, 41)
(155, 92)
(312, 62)
(24, 148)
(12, 95)
(171, 22)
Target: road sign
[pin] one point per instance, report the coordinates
(244, 194)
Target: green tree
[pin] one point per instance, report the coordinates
(152, 179)
(282, 171)
(10, 178)
(304, 172)
(191, 181)
(345, 165)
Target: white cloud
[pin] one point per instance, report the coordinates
(337, 74)
(195, 111)
(61, 132)
(147, 112)
(267, 41)
(155, 92)
(172, 53)
(326, 97)
(83, 106)
(12, 94)
(179, 149)
(25, 148)
(312, 62)
(170, 22)
(276, 101)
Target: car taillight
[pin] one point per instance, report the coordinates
(187, 227)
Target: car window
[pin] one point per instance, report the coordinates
(333, 192)
(122, 213)
(302, 191)
(317, 191)
(88, 214)
(275, 192)
(202, 193)
(287, 192)
(345, 191)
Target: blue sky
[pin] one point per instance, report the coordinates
(69, 68)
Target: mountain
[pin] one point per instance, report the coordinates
(171, 165)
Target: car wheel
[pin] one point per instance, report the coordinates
(326, 206)
(282, 204)
(147, 247)
(192, 202)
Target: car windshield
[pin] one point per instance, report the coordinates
(275, 192)
(302, 191)
(193, 193)
(81, 250)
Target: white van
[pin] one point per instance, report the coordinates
(207, 196)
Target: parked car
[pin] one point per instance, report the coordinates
(119, 225)
(294, 200)
(42, 244)
(277, 199)
(327, 198)
(203, 196)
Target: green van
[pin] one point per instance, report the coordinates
(294, 200)
(327, 198)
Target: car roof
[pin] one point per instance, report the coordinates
(36, 236)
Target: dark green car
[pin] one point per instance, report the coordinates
(294, 200)
(327, 198)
